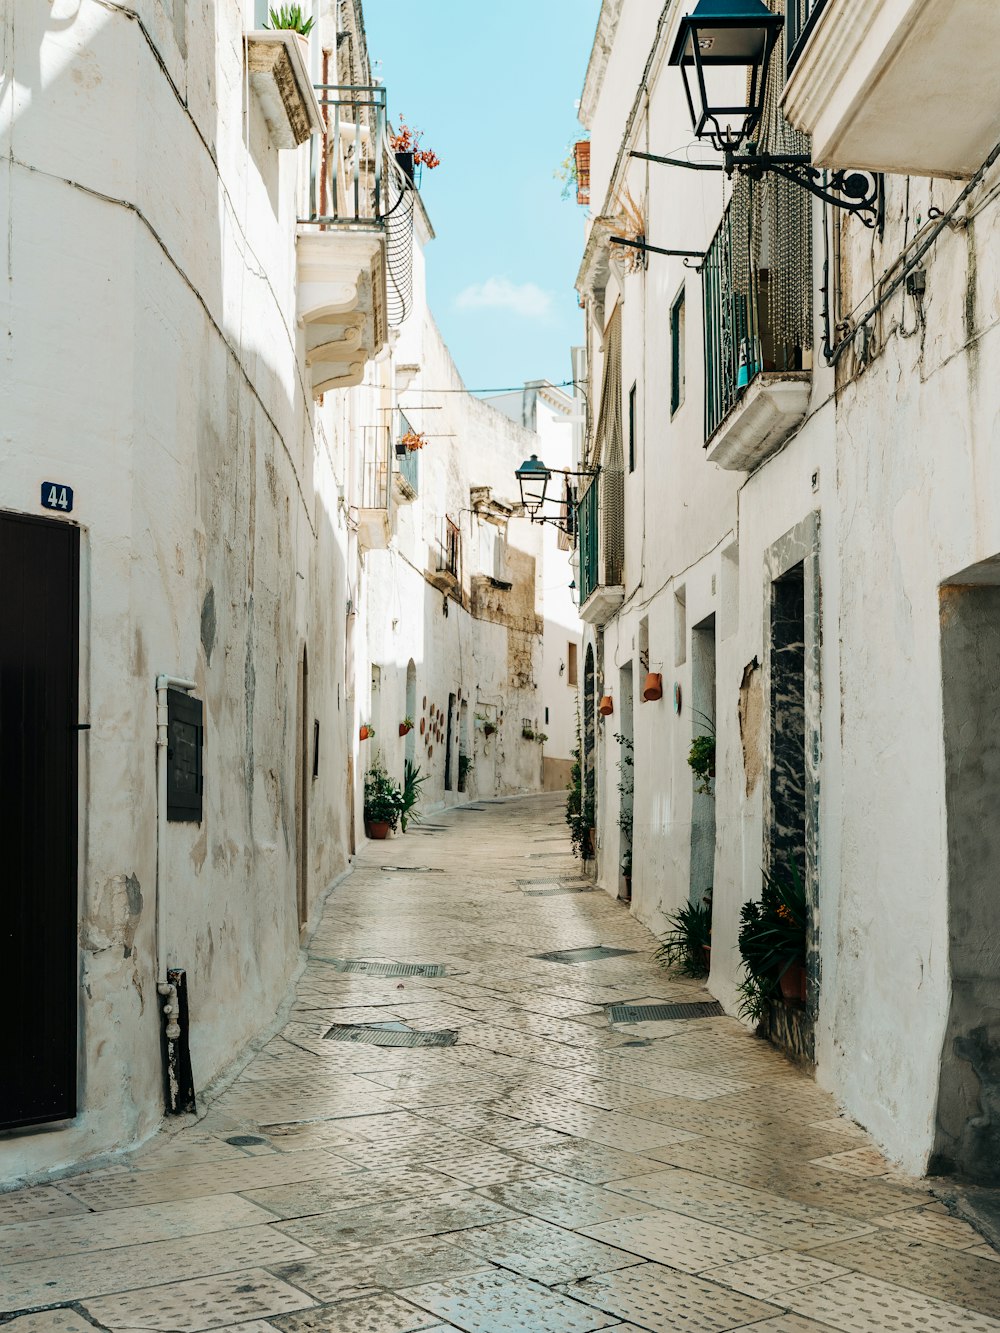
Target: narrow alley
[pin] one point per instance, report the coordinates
(454, 1129)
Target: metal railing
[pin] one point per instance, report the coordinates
(348, 161)
(800, 19)
(375, 470)
(588, 527)
(739, 342)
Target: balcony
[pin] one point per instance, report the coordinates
(758, 380)
(601, 529)
(278, 70)
(341, 248)
(447, 573)
(902, 86)
(374, 523)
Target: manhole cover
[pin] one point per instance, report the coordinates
(412, 870)
(659, 1013)
(551, 893)
(371, 1034)
(592, 955)
(245, 1140)
(359, 965)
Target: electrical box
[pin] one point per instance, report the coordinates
(185, 745)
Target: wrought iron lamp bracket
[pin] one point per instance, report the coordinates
(857, 192)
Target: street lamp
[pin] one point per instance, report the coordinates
(716, 45)
(726, 46)
(533, 478)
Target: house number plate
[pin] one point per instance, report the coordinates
(57, 496)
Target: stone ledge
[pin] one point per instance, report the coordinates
(279, 76)
(770, 410)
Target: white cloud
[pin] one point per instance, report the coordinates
(524, 299)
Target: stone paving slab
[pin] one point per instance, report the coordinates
(547, 1174)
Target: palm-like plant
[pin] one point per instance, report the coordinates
(290, 18)
(683, 947)
(772, 937)
(412, 782)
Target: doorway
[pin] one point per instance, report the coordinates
(626, 781)
(786, 830)
(968, 1112)
(703, 725)
(411, 711)
(39, 740)
(303, 773)
(448, 743)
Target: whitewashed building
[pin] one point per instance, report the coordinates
(796, 526)
(551, 414)
(213, 311)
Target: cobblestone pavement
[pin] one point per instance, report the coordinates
(548, 1171)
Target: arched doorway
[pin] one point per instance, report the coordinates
(411, 710)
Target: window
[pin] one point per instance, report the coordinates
(677, 360)
(571, 666)
(451, 549)
(631, 429)
(185, 739)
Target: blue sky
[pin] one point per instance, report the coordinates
(494, 88)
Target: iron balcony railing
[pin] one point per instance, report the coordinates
(375, 470)
(739, 341)
(588, 528)
(349, 160)
(800, 19)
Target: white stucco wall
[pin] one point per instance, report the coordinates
(896, 463)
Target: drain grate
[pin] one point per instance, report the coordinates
(377, 1035)
(659, 1013)
(360, 965)
(245, 1140)
(592, 955)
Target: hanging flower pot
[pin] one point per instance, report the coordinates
(607, 706)
(653, 688)
(406, 726)
(366, 732)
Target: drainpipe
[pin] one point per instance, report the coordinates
(164, 986)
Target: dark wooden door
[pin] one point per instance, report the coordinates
(39, 671)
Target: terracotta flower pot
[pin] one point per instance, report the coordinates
(793, 982)
(653, 688)
(377, 829)
(707, 951)
(404, 730)
(364, 733)
(607, 706)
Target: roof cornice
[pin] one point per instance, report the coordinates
(607, 26)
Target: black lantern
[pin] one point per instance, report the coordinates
(533, 477)
(724, 50)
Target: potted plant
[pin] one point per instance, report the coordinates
(410, 157)
(772, 942)
(528, 733)
(412, 782)
(464, 768)
(290, 18)
(411, 441)
(383, 802)
(406, 726)
(366, 731)
(627, 874)
(686, 945)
